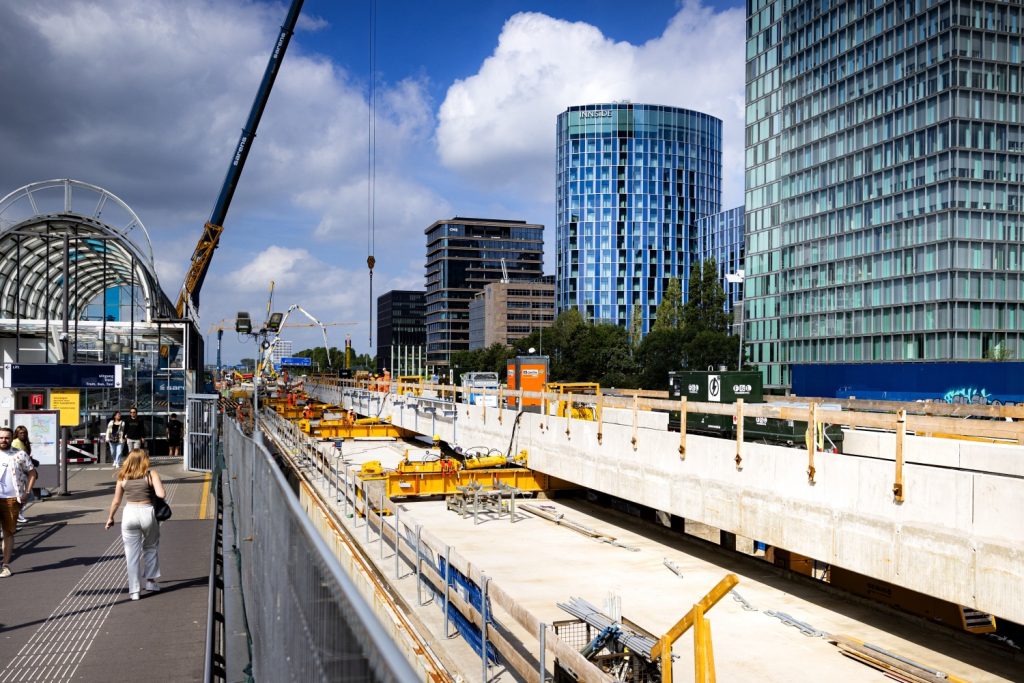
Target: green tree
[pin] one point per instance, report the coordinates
(491, 359)
(999, 352)
(706, 338)
(661, 352)
(669, 314)
(599, 353)
(320, 356)
(705, 306)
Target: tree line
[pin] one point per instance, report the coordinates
(691, 335)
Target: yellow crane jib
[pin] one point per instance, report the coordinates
(201, 258)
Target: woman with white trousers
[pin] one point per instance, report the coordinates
(140, 530)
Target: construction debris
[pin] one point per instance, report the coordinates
(890, 663)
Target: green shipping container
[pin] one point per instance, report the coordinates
(716, 387)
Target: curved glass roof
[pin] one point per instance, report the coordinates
(55, 227)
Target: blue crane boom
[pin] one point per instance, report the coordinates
(203, 254)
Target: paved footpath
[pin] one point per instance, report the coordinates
(65, 613)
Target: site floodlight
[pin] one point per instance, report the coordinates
(243, 323)
(274, 323)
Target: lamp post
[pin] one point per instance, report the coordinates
(737, 279)
(243, 326)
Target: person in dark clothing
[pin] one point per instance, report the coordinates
(134, 431)
(175, 432)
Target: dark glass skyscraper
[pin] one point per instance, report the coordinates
(400, 323)
(632, 180)
(883, 173)
(463, 255)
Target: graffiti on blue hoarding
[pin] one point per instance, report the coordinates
(971, 395)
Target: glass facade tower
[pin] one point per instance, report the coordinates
(463, 256)
(720, 237)
(883, 174)
(631, 182)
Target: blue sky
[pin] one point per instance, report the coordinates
(146, 99)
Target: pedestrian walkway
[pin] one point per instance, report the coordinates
(65, 613)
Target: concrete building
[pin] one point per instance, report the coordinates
(632, 181)
(884, 168)
(282, 349)
(401, 331)
(506, 311)
(463, 256)
(720, 236)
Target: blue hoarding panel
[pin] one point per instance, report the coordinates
(978, 382)
(308, 362)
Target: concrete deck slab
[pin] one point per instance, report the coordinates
(541, 564)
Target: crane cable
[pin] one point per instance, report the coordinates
(371, 159)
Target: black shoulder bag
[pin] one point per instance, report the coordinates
(161, 509)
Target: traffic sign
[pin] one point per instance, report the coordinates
(295, 360)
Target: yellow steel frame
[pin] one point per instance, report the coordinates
(704, 664)
(344, 430)
(433, 483)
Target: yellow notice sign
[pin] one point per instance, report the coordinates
(66, 401)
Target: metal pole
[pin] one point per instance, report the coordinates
(366, 513)
(542, 633)
(344, 496)
(419, 593)
(739, 360)
(397, 528)
(380, 521)
(483, 625)
(447, 583)
(65, 305)
(256, 396)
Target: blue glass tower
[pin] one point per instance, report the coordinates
(720, 237)
(632, 180)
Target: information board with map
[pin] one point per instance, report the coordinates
(43, 432)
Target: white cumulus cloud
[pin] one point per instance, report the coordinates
(497, 127)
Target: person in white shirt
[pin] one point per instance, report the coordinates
(17, 477)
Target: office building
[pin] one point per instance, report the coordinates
(883, 182)
(401, 332)
(463, 256)
(282, 349)
(505, 311)
(632, 180)
(720, 236)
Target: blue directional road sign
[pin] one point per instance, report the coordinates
(295, 360)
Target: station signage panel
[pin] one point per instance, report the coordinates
(61, 375)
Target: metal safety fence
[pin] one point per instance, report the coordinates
(305, 617)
